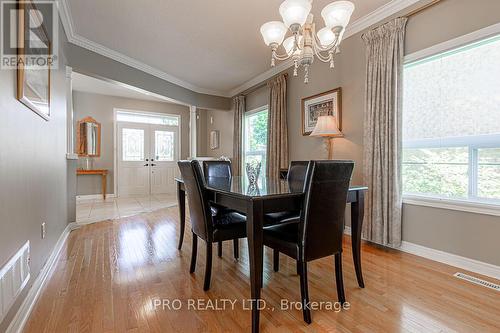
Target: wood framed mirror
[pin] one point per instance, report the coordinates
(88, 134)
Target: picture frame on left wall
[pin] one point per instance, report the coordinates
(33, 80)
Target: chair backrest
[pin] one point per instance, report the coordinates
(217, 169)
(297, 174)
(199, 208)
(322, 219)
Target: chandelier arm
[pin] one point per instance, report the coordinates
(322, 57)
(317, 43)
(280, 57)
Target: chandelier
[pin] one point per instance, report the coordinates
(305, 43)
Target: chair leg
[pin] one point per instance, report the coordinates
(304, 291)
(276, 260)
(208, 267)
(298, 267)
(236, 248)
(194, 251)
(219, 249)
(339, 278)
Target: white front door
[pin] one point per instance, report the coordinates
(147, 158)
(164, 157)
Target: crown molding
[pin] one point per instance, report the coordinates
(379, 14)
(357, 26)
(74, 38)
(262, 77)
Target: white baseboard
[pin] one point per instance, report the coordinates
(347, 230)
(93, 196)
(451, 259)
(22, 315)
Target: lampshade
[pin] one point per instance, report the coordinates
(288, 45)
(326, 126)
(273, 32)
(295, 11)
(337, 13)
(326, 36)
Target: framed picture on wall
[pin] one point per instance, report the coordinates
(33, 76)
(328, 103)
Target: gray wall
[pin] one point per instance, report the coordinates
(446, 230)
(100, 107)
(88, 62)
(32, 173)
(222, 121)
(201, 133)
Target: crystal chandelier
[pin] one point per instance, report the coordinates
(305, 43)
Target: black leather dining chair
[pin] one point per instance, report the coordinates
(220, 169)
(320, 228)
(295, 178)
(210, 228)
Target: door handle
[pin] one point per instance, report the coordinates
(146, 164)
(152, 164)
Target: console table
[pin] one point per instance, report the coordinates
(102, 172)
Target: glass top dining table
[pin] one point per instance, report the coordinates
(241, 185)
(265, 186)
(255, 200)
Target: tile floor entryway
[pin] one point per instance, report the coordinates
(94, 210)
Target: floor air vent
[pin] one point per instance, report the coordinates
(478, 281)
(13, 278)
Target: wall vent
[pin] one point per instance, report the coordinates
(13, 278)
(477, 281)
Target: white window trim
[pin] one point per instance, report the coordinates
(452, 204)
(469, 205)
(454, 43)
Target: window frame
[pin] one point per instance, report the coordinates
(245, 138)
(473, 203)
(473, 144)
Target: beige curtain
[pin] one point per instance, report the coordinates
(239, 112)
(277, 137)
(382, 132)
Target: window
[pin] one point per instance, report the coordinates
(133, 144)
(255, 137)
(164, 145)
(147, 118)
(451, 124)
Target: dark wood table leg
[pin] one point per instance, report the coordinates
(181, 198)
(255, 219)
(103, 179)
(357, 215)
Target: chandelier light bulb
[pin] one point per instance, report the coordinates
(295, 12)
(337, 14)
(326, 36)
(273, 33)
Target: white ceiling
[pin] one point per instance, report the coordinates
(211, 45)
(89, 84)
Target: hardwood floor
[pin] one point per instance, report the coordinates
(112, 273)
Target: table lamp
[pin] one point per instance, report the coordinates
(326, 126)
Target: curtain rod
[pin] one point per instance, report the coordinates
(420, 9)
